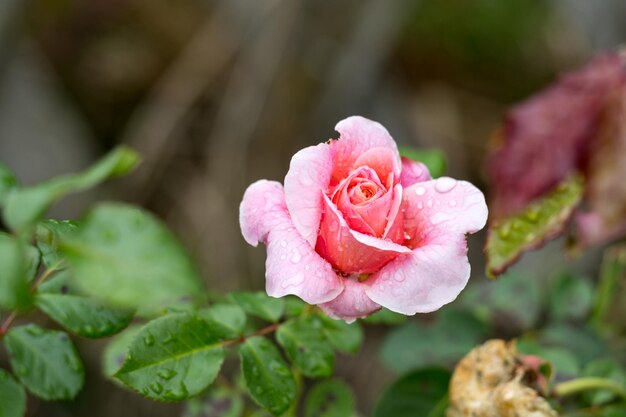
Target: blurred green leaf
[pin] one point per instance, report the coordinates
(172, 358)
(127, 258)
(116, 352)
(434, 159)
(541, 221)
(24, 206)
(420, 393)
(384, 316)
(218, 402)
(344, 337)
(45, 361)
(294, 306)
(19, 264)
(259, 304)
(48, 238)
(306, 346)
(84, 316)
(266, 375)
(12, 396)
(413, 345)
(604, 368)
(493, 300)
(571, 297)
(331, 398)
(582, 341)
(564, 364)
(7, 182)
(226, 320)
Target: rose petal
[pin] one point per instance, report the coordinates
(424, 280)
(383, 160)
(413, 172)
(349, 251)
(357, 136)
(292, 266)
(394, 230)
(307, 179)
(353, 303)
(442, 207)
(437, 215)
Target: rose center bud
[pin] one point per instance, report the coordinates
(362, 191)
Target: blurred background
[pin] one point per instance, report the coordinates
(217, 94)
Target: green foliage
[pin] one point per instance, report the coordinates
(227, 321)
(571, 298)
(19, 262)
(604, 368)
(434, 159)
(126, 257)
(84, 316)
(45, 361)
(48, 238)
(541, 220)
(12, 396)
(344, 337)
(267, 377)
(331, 398)
(172, 358)
(306, 345)
(259, 304)
(116, 351)
(24, 206)
(420, 393)
(218, 402)
(443, 342)
(7, 182)
(384, 316)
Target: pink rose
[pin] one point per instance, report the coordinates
(356, 227)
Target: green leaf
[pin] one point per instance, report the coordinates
(294, 306)
(582, 341)
(12, 396)
(604, 368)
(19, 263)
(330, 399)
(564, 364)
(24, 206)
(421, 393)
(384, 316)
(266, 375)
(434, 159)
(7, 182)
(344, 337)
(48, 237)
(218, 402)
(306, 345)
(116, 352)
(450, 337)
(45, 361)
(227, 320)
(172, 358)
(571, 297)
(84, 316)
(259, 304)
(127, 258)
(542, 220)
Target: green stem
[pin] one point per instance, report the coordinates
(612, 267)
(577, 385)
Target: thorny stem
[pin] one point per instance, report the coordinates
(577, 385)
(4, 327)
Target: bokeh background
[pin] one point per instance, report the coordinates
(216, 94)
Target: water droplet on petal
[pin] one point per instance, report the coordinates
(420, 205)
(452, 203)
(420, 191)
(283, 243)
(445, 184)
(296, 257)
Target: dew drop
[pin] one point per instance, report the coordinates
(420, 205)
(283, 256)
(452, 203)
(283, 243)
(167, 374)
(156, 387)
(148, 340)
(445, 184)
(89, 329)
(296, 257)
(420, 191)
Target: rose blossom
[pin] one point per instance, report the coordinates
(356, 227)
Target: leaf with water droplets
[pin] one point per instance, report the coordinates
(12, 396)
(259, 304)
(126, 257)
(24, 206)
(344, 337)
(45, 361)
(266, 375)
(48, 236)
(117, 350)
(226, 320)
(306, 345)
(172, 358)
(84, 316)
(541, 221)
(330, 399)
